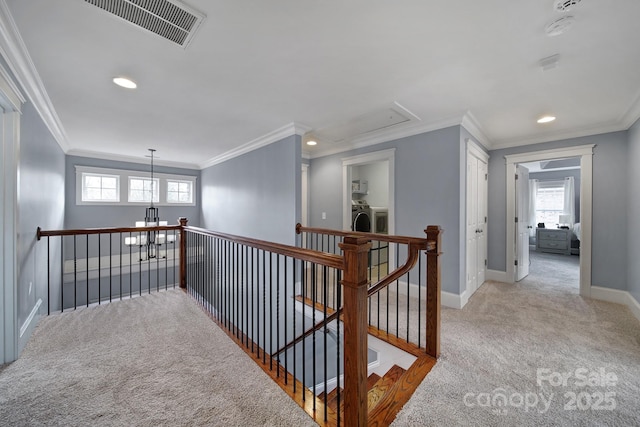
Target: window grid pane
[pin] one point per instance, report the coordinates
(140, 190)
(99, 188)
(550, 203)
(179, 192)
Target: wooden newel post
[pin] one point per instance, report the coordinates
(183, 253)
(434, 233)
(354, 287)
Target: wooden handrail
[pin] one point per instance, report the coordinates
(317, 257)
(412, 259)
(404, 240)
(107, 230)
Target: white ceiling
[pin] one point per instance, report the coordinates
(256, 67)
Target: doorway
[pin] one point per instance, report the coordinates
(369, 180)
(585, 154)
(548, 227)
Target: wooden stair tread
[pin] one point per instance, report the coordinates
(383, 385)
(372, 380)
(400, 392)
(332, 398)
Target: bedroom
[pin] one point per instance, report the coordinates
(554, 220)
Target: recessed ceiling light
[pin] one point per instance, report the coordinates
(124, 82)
(546, 119)
(312, 142)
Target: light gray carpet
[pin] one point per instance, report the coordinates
(158, 360)
(496, 344)
(149, 361)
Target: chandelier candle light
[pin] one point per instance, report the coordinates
(152, 240)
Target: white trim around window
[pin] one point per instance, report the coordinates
(123, 180)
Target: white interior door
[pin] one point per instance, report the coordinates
(472, 224)
(522, 224)
(476, 222)
(481, 263)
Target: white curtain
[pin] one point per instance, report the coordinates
(570, 200)
(533, 193)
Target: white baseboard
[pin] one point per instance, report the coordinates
(27, 327)
(453, 300)
(617, 296)
(498, 276)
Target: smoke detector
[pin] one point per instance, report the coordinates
(559, 26)
(565, 5)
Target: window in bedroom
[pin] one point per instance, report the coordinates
(549, 202)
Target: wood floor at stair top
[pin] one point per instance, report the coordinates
(383, 385)
(387, 394)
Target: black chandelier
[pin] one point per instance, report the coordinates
(151, 240)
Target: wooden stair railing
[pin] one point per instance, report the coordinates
(363, 400)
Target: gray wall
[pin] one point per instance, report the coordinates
(257, 194)
(609, 239)
(560, 175)
(633, 218)
(41, 193)
(83, 216)
(427, 189)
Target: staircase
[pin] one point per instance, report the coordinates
(387, 394)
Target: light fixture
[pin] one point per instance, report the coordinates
(312, 142)
(152, 241)
(125, 82)
(546, 119)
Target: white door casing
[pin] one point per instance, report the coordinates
(522, 225)
(585, 152)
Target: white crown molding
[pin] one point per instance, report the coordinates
(386, 135)
(130, 159)
(15, 53)
(558, 136)
(472, 125)
(270, 138)
(633, 113)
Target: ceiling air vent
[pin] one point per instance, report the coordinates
(565, 5)
(169, 19)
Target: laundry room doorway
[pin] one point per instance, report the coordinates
(368, 193)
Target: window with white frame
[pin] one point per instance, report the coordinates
(140, 190)
(179, 191)
(101, 186)
(549, 202)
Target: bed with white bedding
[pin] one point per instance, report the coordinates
(575, 239)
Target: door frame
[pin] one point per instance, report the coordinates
(387, 156)
(11, 101)
(585, 152)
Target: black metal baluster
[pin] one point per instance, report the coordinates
(120, 262)
(49, 276)
(75, 274)
(246, 295)
(326, 330)
(314, 322)
(408, 299)
(130, 267)
(419, 299)
(397, 298)
(339, 340)
(61, 274)
(293, 310)
(271, 310)
(304, 341)
(87, 266)
(278, 311)
(264, 308)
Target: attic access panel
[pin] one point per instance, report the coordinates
(169, 19)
